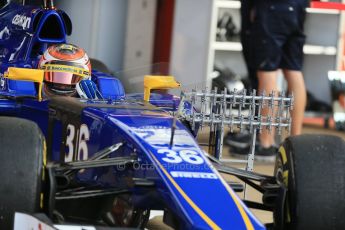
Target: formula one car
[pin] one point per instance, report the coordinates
(109, 158)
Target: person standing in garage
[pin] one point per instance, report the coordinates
(278, 36)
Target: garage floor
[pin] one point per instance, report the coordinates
(156, 222)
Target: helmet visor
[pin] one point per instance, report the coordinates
(62, 78)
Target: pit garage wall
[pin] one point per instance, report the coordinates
(139, 43)
(99, 27)
(191, 41)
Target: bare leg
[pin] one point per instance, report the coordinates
(267, 83)
(296, 86)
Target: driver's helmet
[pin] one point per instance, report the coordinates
(65, 65)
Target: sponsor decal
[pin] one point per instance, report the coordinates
(66, 69)
(22, 21)
(194, 175)
(160, 135)
(182, 156)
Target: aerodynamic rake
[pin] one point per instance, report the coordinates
(237, 109)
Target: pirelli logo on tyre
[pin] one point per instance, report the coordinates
(284, 170)
(283, 156)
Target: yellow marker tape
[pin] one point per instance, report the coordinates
(66, 69)
(186, 197)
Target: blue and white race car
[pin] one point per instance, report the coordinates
(106, 158)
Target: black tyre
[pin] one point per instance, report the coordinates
(313, 169)
(21, 166)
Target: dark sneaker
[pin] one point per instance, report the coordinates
(262, 154)
(241, 153)
(238, 140)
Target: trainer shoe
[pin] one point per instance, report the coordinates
(262, 154)
(238, 140)
(268, 154)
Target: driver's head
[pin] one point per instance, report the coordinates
(64, 65)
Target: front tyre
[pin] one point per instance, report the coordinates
(22, 151)
(312, 167)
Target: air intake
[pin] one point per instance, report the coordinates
(51, 29)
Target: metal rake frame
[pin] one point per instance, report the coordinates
(237, 109)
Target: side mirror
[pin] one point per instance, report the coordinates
(24, 74)
(158, 82)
